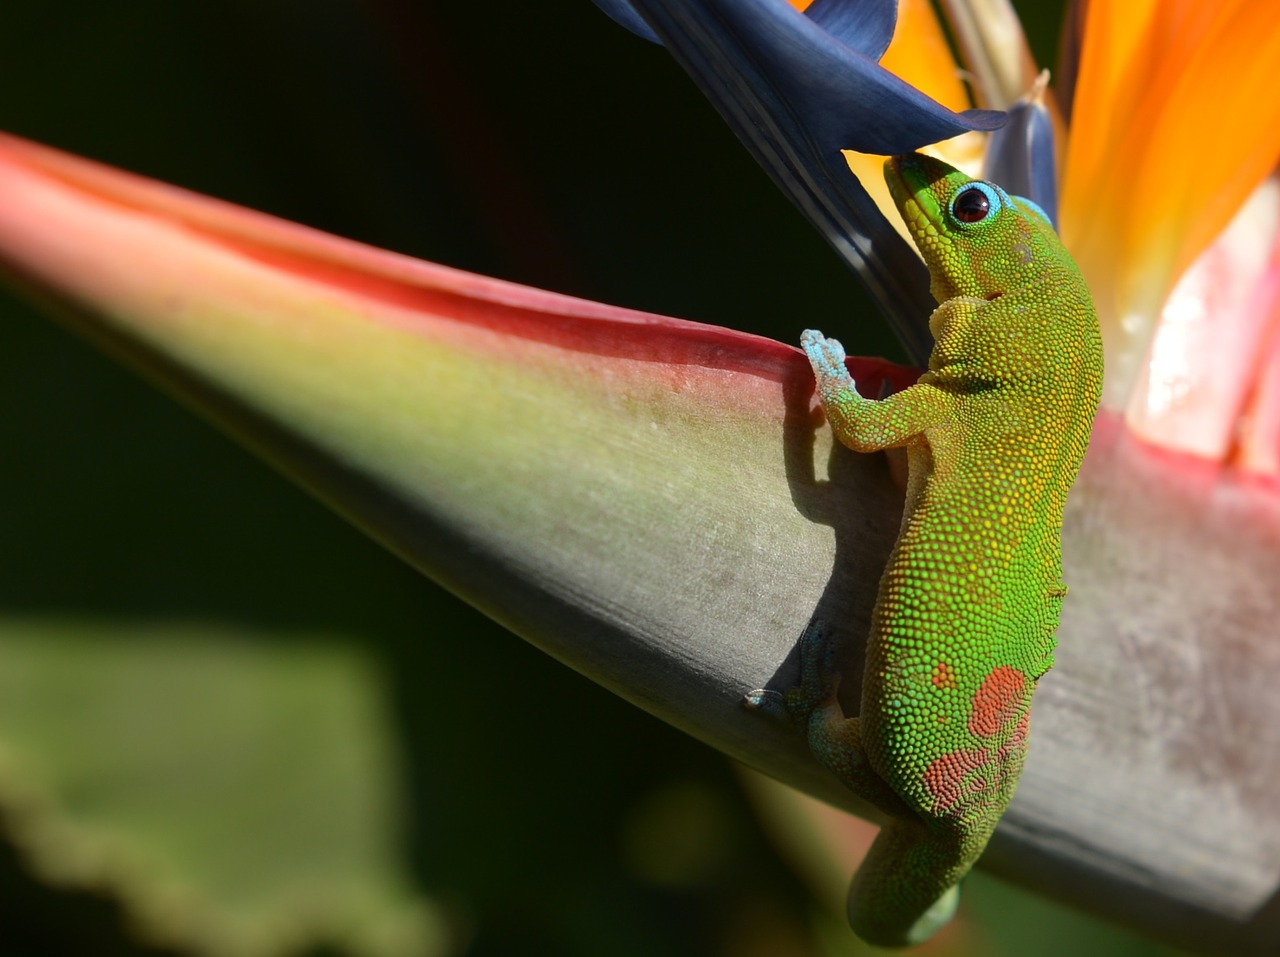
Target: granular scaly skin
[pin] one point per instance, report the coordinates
(964, 623)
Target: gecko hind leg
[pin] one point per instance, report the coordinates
(819, 682)
(834, 738)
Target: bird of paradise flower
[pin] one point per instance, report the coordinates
(352, 351)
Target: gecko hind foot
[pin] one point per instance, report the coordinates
(771, 704)
(819, 679)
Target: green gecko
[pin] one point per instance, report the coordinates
(965, 617)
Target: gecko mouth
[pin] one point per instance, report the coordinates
(971, 299)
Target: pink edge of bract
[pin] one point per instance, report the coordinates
(421, 292)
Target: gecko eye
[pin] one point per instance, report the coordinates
(971, 206)
(974, 204)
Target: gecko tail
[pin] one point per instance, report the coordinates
(908, 886)
(937, 916)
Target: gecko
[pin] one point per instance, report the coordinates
(967, 609)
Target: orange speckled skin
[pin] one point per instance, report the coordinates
(964, 623)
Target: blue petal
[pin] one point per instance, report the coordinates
(624, 14)
(863, 25)
(796, 95)
(840, 94)
(1020, 157)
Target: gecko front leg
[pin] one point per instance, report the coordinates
(869, 425)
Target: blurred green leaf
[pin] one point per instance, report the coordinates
(241, 796)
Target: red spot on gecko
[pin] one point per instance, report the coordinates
(997, 701)
(943, 677)
(950, 778)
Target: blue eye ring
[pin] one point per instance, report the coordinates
(975, 203)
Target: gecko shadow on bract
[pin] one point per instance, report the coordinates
(862, 503)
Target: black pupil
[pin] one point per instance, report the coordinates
(972, 206)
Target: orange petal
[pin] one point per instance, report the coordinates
(1175, 122)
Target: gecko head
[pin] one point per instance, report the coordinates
(976, 239)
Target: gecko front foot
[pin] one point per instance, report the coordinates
(827, 358)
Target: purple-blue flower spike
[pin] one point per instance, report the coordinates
(1021, 156)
